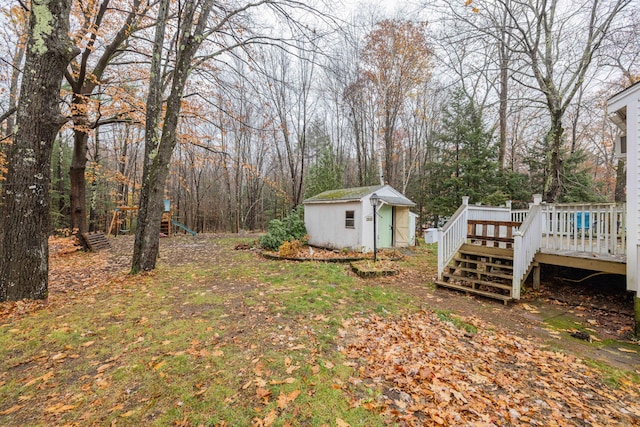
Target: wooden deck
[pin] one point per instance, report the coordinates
(585, 236)
(614, 264)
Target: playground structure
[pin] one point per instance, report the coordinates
(168, 226)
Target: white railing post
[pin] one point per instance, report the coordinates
(517, 249)
(527, 241)
(452, 236)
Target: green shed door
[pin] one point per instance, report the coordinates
(385, 226)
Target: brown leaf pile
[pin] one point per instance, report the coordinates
(432, 373)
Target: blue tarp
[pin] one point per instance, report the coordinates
(583, 225)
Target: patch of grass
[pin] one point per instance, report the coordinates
(562, 323)
(614, 377)
(172, 346)
(449, 317)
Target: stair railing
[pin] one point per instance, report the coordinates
(452, 236)
(527, 241)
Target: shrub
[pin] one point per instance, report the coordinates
(286, 230)
(290, 248)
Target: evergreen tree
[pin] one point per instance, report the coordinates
(325, 174)
(577, 181)
(468, 162)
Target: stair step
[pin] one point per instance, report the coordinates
(477, 281)
(485, 263)
(485, 251)
(504, 298)
(481, 272)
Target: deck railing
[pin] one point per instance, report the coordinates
(489, 213)
(519, 215)
(451, 237)
(527, 242)
(593, 228)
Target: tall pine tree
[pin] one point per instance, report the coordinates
(468, 164)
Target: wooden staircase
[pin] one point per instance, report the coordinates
(481, 270)
(484, 265)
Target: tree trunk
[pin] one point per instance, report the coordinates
(621, 182)
(158, 151)
(502, 112)
(78, 182)
(389, 177)
(26, 218)
(147, 243)
(553, 190)
(93, 214)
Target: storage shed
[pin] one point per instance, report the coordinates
(624, 111)
(343, 218)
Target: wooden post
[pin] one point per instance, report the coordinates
(536, 276)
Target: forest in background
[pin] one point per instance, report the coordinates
(496, 99)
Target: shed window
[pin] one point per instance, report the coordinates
(349, 219)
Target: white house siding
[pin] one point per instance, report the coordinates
(633, 191)
(631, 100)
(326, 225)
(633, 137)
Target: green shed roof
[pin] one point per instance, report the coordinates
(344, 194)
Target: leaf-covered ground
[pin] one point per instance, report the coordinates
(435, 373)
(221, 337)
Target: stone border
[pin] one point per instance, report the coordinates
(274, 256)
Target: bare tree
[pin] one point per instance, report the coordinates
(559, 56)
(84, 77)
(396, 58)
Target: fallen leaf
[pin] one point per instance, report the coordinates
(292, 368)
(59, 408)
(342, 423)
(14, 408)
(43, 378)
(284, 399)
(263, 393)
(104, 367)
(270, 418)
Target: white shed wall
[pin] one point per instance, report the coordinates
(325, 224)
